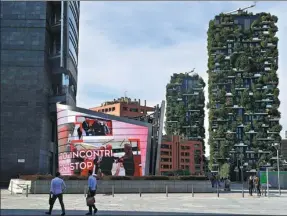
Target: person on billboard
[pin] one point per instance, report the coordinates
(98, 128)
(106, 129)
(128, 160)
(80, 133)
(86, 127)
(96, 162)
(57, 188)
(107, 161)
(118, 169)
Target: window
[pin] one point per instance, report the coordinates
(134, 109)
(196, 145)
(110, 109)
(165, 153)
(72, 14)
(73, 50)
(125, 108)
(197, 157)
(186, 154)
(106, 110)
(65, 80)
(182, 160)
(185, 147)
(182, 153)
(73, 31)
(113, 108)
(165, 146)
(186, 167)
(239, 133)
(165, 166)
(186, 160)
(165, 159)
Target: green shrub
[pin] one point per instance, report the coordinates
(113, 178)
(156, 178)
(45, 177)
(188, 178)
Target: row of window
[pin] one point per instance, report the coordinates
(165, 146)
(107, 109)
(165, 159)
(133, 109)
(166, 153)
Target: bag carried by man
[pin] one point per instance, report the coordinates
(90, 201)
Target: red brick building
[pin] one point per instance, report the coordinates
(124, 107)
(180, 154)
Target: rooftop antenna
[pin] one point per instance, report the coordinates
(126, 94)
(240, 10)
(190, 71)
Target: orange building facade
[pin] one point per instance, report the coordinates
(180, 154)
(124, 107)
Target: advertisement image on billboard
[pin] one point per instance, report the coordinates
(107, 145)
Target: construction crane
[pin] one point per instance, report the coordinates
(240, 10)
(190, 71)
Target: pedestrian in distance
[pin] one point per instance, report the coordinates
(92, 184)
(257, 185)
(251, 185)
(57, 189)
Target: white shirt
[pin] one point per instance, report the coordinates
(57, 186)
(92, 183)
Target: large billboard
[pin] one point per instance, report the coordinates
(105, 144)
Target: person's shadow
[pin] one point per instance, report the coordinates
(104, 212)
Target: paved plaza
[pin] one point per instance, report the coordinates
(149, 204)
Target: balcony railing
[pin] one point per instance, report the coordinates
(64, 90)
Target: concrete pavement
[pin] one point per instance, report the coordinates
(149, 204)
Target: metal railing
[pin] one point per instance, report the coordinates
(24, 187)
(140, 191)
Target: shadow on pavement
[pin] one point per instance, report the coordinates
(82, 212)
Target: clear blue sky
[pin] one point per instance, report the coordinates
(136, 46)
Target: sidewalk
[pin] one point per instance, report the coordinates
(149, 204)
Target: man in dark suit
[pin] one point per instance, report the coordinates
(107, 161)
(128, 160)
(86, 127)
(98, 128)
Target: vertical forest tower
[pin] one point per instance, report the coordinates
(243, 87)
(185, 106)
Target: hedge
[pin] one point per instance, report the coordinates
(49, 177)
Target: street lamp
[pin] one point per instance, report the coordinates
(277, 146)
(240, 147)
(217, 179)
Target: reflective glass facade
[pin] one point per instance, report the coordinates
(73, 23)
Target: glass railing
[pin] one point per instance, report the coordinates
(64, 90)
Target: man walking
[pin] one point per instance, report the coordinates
(57, 188)
(92, 184)
(257, 185)
(251, 185)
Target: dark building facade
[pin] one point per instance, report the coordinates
(39, 54)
